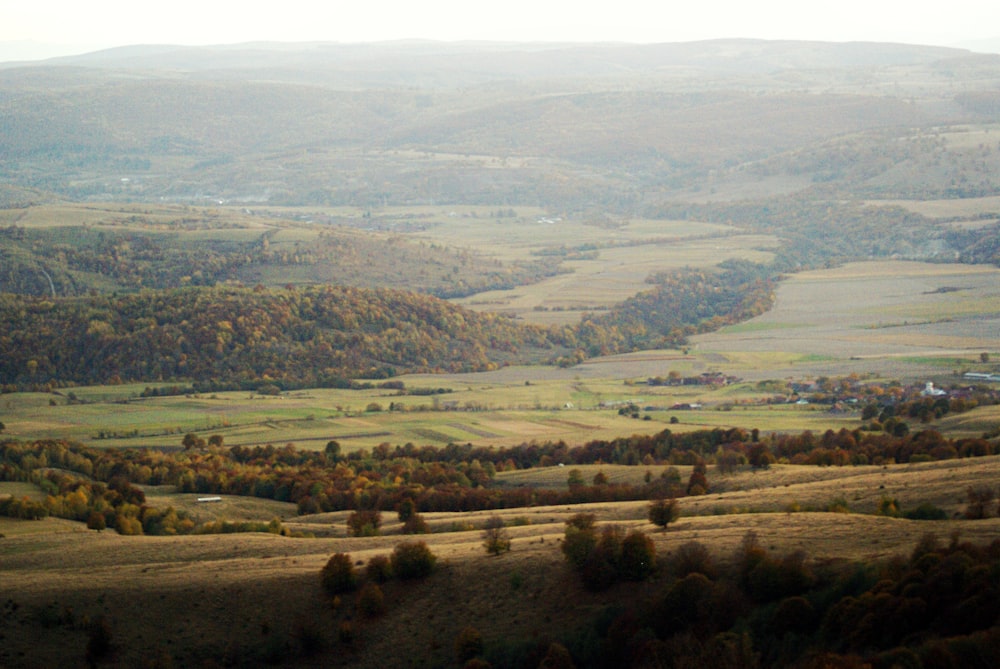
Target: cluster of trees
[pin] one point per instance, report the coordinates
(601, 559)
(231, 337)
(938, 607)
(80, 485)
(425, 479)
(313, 337)
(203, 251)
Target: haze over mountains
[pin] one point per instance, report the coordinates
(566, 126)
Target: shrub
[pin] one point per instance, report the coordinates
(468, 644)
(412, 559)
(345, 632)
(496, 539)
(364, 523)
(692, 558)
(416, 524)
(371, 601)
(338, 575)
(980, 499)
(557, 657)
(926, 511)
(888, 506)
(406, 510)
(378, 569)
(638, 556)
(793, 614)
(96, 521)
(578, 544)
(98, 640)
(662, 512)
(582, 521)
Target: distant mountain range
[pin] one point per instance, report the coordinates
(491, 60)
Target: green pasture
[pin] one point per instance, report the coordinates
(481, 409)
(20, 489)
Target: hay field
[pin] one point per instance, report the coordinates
(882, 317)
(246, 598)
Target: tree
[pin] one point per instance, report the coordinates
(371, 601)
(412, 559)
(416, 524)
(496, 539)
(638, 557)
(364, 523)
(662, 512)
(191, 440)
(332, 451)
(406, 510)
(96, 521)
(338, 575)
(215, 441)
(980, 499)
(575, 479)
(698, 483)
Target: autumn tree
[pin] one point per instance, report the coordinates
(412, 559)
(338, 575)
(698, 482)
(364, 523)
(638, 556)
(662, 512)
(96, 521)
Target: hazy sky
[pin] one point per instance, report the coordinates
(92, 24)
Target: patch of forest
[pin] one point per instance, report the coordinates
(234, 337)
(204, 250)
(455, 477)
(936, 607)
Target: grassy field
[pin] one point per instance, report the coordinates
(246, 598)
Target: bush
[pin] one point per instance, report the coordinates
(371, 601)
(662, 512)
(638, 556)
(578, 545)
(416, 524)
(98, 640)
(980, 499)
(468, 644)
(582, 521)
(378, 569)
(496, 539)
(412, 559)
(692, 558)
(926, 511)
(338, 575)
(406, 510)
(364, 523)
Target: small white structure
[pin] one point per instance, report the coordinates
(930, 391)
(202, 500)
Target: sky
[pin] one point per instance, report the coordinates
(75, 26)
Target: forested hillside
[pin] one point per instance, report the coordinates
(313, 165)
(237, 336)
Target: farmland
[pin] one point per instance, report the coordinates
(241, 305)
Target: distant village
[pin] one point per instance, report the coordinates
(845, 394)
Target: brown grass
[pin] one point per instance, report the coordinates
(243, 598)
